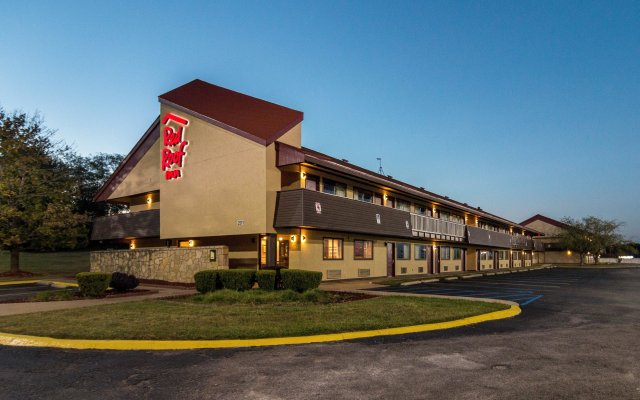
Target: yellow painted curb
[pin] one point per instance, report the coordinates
(8, 339)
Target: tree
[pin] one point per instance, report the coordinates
(91, 172)
(591, 235)
(37, 190)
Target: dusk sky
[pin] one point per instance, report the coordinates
(517, 107)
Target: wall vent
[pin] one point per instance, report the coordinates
(403, 270)
(334, 273)
(364, 272)
(445, 268)
(421, 269)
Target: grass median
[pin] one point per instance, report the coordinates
(62, 263)
(236, 316)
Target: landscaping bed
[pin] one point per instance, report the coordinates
(73, 294)
(251, 314)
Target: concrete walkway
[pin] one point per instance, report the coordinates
(26, 308)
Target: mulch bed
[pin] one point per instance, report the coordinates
(77, 296)
(344, 297)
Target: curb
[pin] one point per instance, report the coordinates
(8, 339)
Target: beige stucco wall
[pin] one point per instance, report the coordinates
(144, 177)
(544, 227)
(223, 181)
(455, 265)
(308, 255)
(226, 179)
(559, 257)
(412, 265)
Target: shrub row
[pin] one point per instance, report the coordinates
(243, 279)
(95, 284)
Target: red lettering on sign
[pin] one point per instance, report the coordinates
(174, 152)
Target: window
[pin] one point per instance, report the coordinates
(332, 249)
(403, 205)
(391, 202)
(515, 255)
(457, 253)
(486, 255)
(444, 216)
(377, 199)
(503, 255)
(403, 251)
(445, 253)
(333, 187)
(362, 195)
(420, 251)
(363, 249)
(420, 209)
(312, 182)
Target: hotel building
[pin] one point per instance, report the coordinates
(226, 171)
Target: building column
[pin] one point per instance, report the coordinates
(272, 249)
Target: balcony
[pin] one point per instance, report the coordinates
(126, 226)
(521, 242)
(484, 237)
(302, 208)
(434, 228)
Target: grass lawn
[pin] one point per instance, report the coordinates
(62, 263)
(200, 318)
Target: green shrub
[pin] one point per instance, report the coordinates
(266, 279)
(207, 281)
(93, 284)
(237, 279)
(300, 280)
(121, 282)
(43, 296)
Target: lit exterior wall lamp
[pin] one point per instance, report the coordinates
(132, 245)
(303, 238)
(149, 200)
(293, 238)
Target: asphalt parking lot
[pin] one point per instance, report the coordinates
(523, 288)
(578, 341)
(26, 290)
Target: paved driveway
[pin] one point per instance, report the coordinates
(521, 287)
(580, 341)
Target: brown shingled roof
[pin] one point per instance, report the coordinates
(539, 217)
(315, 157)
(255, 119)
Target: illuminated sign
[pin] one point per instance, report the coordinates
(174, 150)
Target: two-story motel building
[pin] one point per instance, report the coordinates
(220, 168)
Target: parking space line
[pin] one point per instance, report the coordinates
(489, 287)
(520, 284)
(531, 301)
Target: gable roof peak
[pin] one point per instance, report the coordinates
(255, 119)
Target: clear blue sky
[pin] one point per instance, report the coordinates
(517, 107)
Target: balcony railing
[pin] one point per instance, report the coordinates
(423, 224)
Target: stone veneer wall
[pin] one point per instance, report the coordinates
(172, 264)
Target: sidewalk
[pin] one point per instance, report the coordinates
(26, 308)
